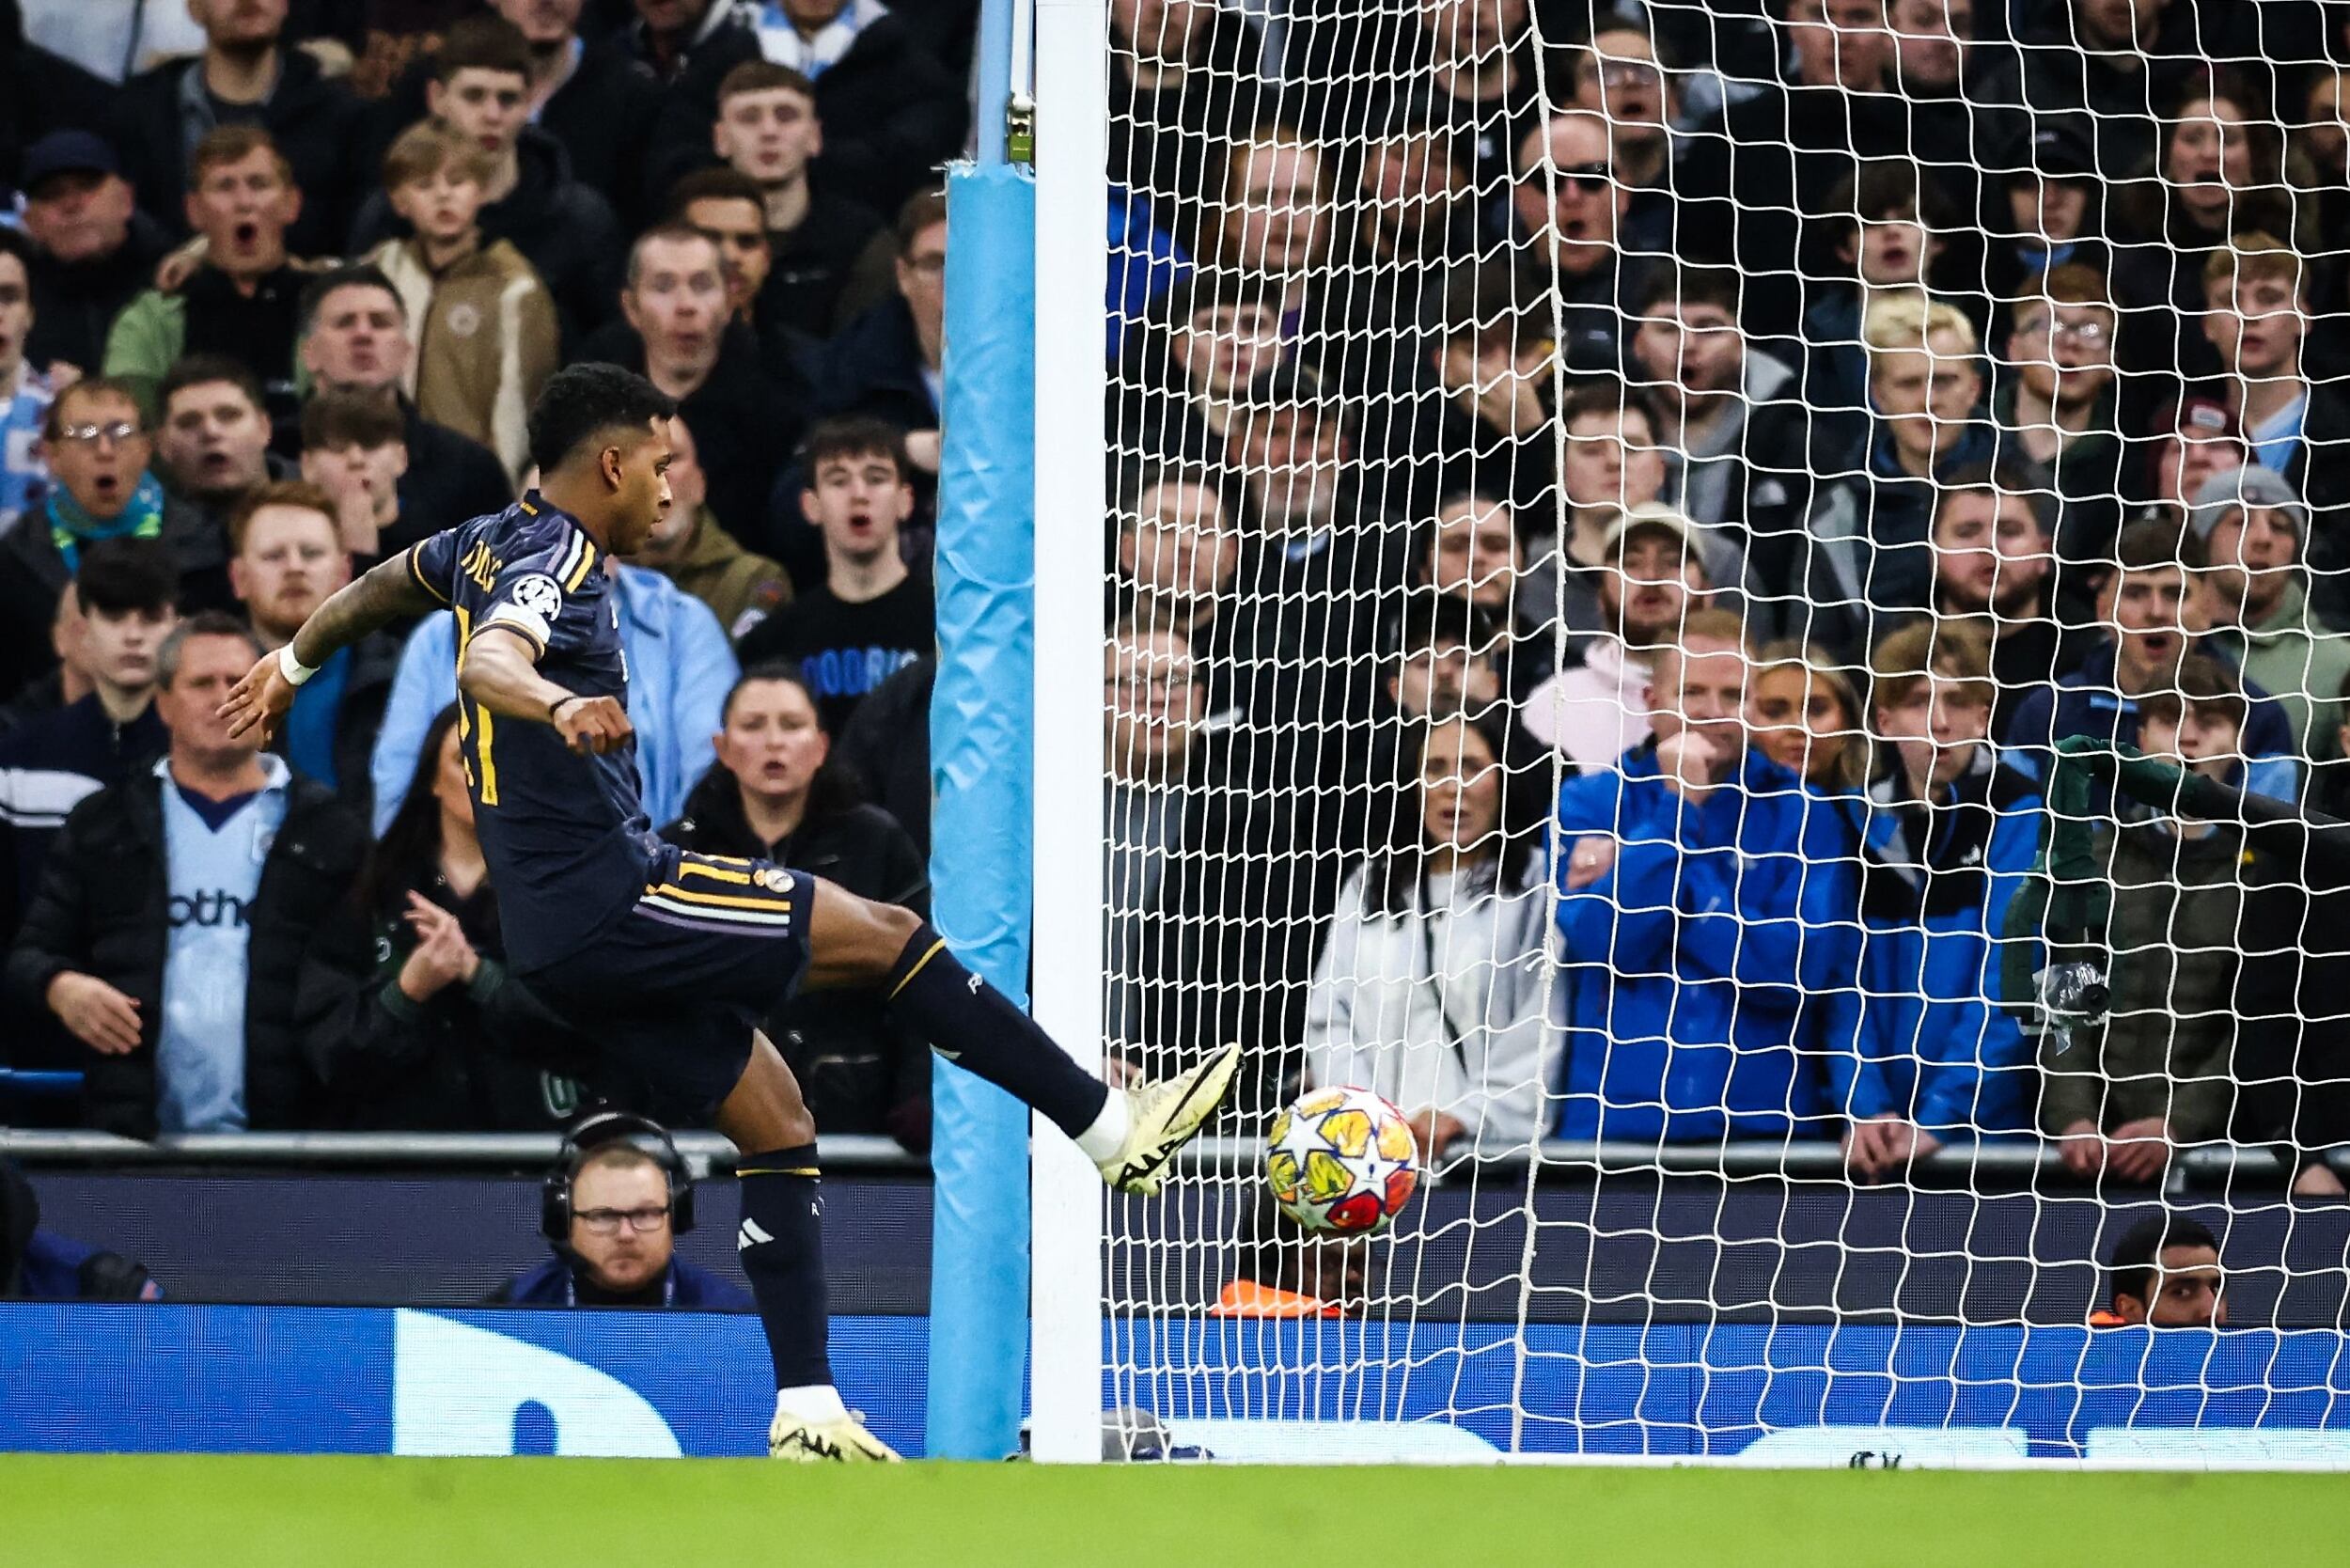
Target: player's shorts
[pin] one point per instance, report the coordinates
(671, 992)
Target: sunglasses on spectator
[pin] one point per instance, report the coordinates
(117, 431)
(1584, 177)
(606, 1222)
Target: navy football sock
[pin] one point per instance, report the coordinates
(782, 1247)
(972, 1025)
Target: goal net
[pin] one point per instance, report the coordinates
(1615, 517)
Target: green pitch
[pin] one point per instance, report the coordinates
(259, 1512)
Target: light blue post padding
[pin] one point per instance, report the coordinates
(980, 772)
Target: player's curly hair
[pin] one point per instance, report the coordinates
(580, 402)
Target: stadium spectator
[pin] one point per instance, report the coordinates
(1703, 895)
(2250, 605)
(669, 34)
(486, 324)
(98, 445)
(774, 795)
(1920, 1055)
(1207, 341)
(168, 931)
(243, 300)
(885, 362)
(286, 557)
(872, 615)
(1434, 987)
(1473, 551)
(1283, 1271)
(1181, 77)
(1209, 936)
(590, 96)
(39, 1264)
(1491, 360)
(355, 447)
(727, 207)
(2219, 176)
(1613, 461)
(1883, 251)
(480, 89)
(885, 749)
(688, 547)
(2165, 1273)
(2142, 637)
(2193, 440)
(2257, 292)
(1414, 204)
(1178, 553)
(247, 78)
(67, 682)
(211, 441)
(678, 333)
(1445, 657)
(893, 116)
(1726, 412)
(1868, 557)
(1621, 77)
(2201, 929)
(425, 1028)
(356, 341)
(24, 391)
(2050, 216)
(1569, 208)
(93, 251)
(619, 1246)
(1597, 709)
(768, 131)
(2061, 401)
(1807, 720)
(1775, 153)
(48, 764)
(679, 672)
(1993, 567)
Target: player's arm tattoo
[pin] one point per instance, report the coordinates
(499, 670)
(388, 592)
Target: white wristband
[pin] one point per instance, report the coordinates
(293, 670)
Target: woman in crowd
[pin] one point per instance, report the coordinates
(1808, 719)
(1435, 986)
(774, 795)
(421, 1027)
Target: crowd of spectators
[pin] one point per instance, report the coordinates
(1772, 427)
(1613, 510)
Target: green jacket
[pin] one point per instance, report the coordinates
(2299, 662)
(146, 341)
(2203, 934)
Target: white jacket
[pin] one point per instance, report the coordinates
(1449, 1004)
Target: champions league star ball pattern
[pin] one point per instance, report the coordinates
(1342, 1160)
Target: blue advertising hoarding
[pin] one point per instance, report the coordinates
(364, 1380)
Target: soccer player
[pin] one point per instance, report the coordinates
(669, 958)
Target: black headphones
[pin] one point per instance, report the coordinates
(592, 1132)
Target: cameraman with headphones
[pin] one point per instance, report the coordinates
(614, 1205)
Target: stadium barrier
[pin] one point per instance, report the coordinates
(280, 1380)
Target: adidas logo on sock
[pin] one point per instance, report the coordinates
(751, 1235)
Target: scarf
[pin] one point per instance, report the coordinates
(71, 526)
(783, 44)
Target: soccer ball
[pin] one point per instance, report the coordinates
(1342, 1160)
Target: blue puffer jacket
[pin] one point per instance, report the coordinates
(1695, 961)
(1915, 1031)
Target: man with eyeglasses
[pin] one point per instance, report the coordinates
(96, 444)
(622, 1250)
(2059, 399)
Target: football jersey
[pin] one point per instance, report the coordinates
(568, 846)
